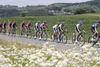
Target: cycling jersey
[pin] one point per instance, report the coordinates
(13, 25)
(22, 24)
(55, 27)
(76, 28)
(36, 25)
(1, 25)
(28, 25)
(94, 26)
(10, 24)
(4, 24)
(42, 25)
(60, 26)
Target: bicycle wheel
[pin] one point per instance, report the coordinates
(44, 36)
(64, 39)
(52, 37)
(81, 40)
(73, 39)
(89, 40)
(95, 42)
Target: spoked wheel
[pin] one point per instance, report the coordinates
(52, 38)
(89, 40)
(73, 39)
(81, 40)
(44, 36)
(64, 39)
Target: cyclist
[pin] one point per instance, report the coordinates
(4, 26)
(14, 26)
(1, 26)
(60, 30)
(9, 27)
(36, 28)
(28, 27)
(77, 29)
(22, 27)
(42, 27)
(94, 29)
(55, 27)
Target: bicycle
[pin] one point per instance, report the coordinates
(14, 32)
(23, 31)
(29, 33)
(9, 31)
(81, 38)
(44, 35)
(54, 37)
(96, 40)
(63, 38)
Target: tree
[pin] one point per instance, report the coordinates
(23, 14)
(80, 11)
(92, 11)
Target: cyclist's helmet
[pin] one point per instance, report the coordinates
(80, 22)
(57, 22)
(98, 21)
(62, 22)
(44, 21)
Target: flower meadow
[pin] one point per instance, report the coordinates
(48, 56)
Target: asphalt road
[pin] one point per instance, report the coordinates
(59, 46)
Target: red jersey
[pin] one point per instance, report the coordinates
(43, 24)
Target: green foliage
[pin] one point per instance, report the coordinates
(92, 11)
(9, 12)
(80, 11)
(23, 14)
(39, 13)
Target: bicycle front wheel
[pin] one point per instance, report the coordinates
(81, 40)
(44, 36)
(64, 39)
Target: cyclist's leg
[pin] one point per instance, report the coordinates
(94, 33)
(77, 33)
(26, 30)
(40, 32)
(35, 31)
(54, 31)
(59, 32)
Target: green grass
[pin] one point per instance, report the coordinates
(70, 21)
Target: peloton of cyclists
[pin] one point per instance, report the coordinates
(94, 29)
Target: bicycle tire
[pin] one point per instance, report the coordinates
(73, 39)
(64, 39)
(81, 40)
(44, 36)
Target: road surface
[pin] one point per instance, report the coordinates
(59, 46)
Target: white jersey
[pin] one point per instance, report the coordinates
(55, 26)
(37, 24)
(78, 26)
(60, 26)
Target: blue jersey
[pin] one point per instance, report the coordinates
(94, 26)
